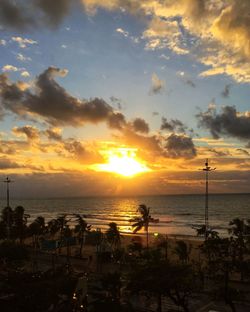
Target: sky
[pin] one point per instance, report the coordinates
(124, 97)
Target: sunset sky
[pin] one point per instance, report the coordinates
(124, 97)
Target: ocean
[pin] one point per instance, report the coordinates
(177, 214)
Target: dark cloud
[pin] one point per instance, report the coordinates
(243, 151)
(190, 83)
(14, 15)
(47, 99)
(30, 132)
(75, 147)
(118, 102)
(150, 143)
(116, 120)
(155, 113)
(158, 85)
(180, 146)
(174, 146)
(172, 125)
(218, 153)
(53, 134)
(228, 122)
(226, 92)
(54, 11)
(5, 163)
(77, 150)
(140, 125)
(24, 14)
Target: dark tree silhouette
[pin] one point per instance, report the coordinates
(113, 235)
(81, 228)
(20, 219)
(183, 250)
(143, 220)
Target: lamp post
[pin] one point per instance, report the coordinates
(8, 181)
(207, 169)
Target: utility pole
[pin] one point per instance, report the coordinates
(8, 181)
(207, 169)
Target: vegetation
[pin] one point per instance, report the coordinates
(81, 228)
(143, 221)
(222, 271)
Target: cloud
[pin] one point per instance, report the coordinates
(66, 109)
(164, 57)
(23, 42)
(116, 120)
(11, 15)
(77, 150)
(28, 14)
(219, 153)
(30, 132)
(22, 58)
(228, 122)
(226, 92)
(25, 74)
(116, 101)
(162, 34)
(146, 143)
(54, 11)
(6, 163)
(185, 79)
(157, 84)
(122, 31)
(173, 125)
(243, 151)
(190, 83)
(140, 125)
(216, 33)
(53, 134)
(155, 113)
(3, 42)
(9, 68)
(180, 146)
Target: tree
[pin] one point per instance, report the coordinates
(7, 222)
(220, 264)
(164, 244)
(182, 250)
(20, 223)
(203, 231)
(13, 253)
(81, 228)
(143, 220)
(36, 229)
(58, 225)
(113, 235)
(164, 279)
(240, 231)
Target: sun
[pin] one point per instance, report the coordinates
(123, 161)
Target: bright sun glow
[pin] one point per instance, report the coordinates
(123, 161)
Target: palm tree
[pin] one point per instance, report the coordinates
(183, 251)
(164, 244)
(20, 222)
(67, 234)
(36, 229)
(143, 220)
(58, 225)
(62, 224)
(113, 235)
(81, 228)
(240, 231)
(7, 222)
